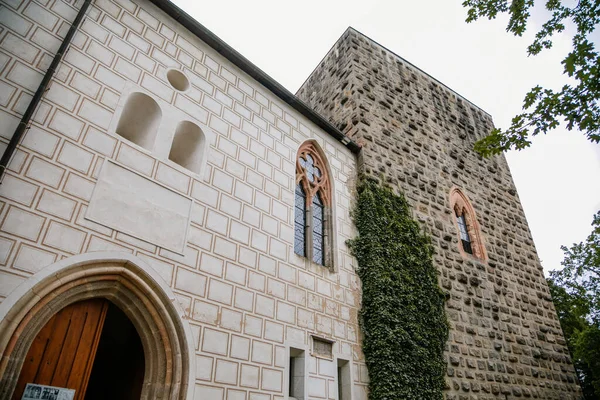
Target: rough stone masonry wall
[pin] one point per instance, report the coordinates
(505, 339)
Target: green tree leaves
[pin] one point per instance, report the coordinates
(587, 360)
(578, 104)
(402, 315)
(581, 270)
(576, 294)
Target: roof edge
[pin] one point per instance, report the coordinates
(253, 71)
(339, 39)
(417, 68)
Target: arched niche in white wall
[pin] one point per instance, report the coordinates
(188, 144)
(140, 120)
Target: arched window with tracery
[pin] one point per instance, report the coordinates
(312, 216)
(469, 233)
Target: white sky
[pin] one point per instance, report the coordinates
(558, 178)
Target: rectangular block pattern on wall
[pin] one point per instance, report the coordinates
(244, 291)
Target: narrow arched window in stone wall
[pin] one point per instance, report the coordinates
(188, 146)
(470, 241)
(140, 120)
(312, 211)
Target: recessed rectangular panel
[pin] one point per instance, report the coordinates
(133, 204)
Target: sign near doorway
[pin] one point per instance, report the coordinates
(33, 391)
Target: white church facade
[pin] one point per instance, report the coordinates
(156, 164)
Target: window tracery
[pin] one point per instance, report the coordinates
(312, 222)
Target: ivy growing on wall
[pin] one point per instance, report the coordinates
(402, 317)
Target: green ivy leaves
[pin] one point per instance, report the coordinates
(402, 315)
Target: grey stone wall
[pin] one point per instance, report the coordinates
(505, 339)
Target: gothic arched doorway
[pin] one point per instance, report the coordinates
(89, 346)
(133, 288)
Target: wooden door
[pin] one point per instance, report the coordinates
(62, 354)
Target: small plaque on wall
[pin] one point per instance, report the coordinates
(322, 347)
(136, 205)
(33, 391)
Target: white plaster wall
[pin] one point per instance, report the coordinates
(247, 296)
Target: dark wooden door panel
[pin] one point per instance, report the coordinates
(34, 356)
(86, 350)
(66, 357)
(55, 346)
(62, 354)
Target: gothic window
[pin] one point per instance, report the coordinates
(469, 234)
(312, 222)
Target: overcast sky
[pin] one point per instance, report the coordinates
(558, 178)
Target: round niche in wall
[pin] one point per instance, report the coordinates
(178, 80)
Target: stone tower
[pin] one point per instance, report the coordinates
(417, 135)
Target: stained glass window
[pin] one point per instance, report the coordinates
(464, 233)
(300, 221)
(309, 168)
(311, 199)
(318, 229)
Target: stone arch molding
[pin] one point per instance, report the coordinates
(461, 205)
(327, 188)
(129, 283)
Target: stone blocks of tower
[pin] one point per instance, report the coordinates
(417, 135)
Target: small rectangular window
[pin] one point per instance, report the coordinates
(467, 247)
(296, 377)
(344, 380)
